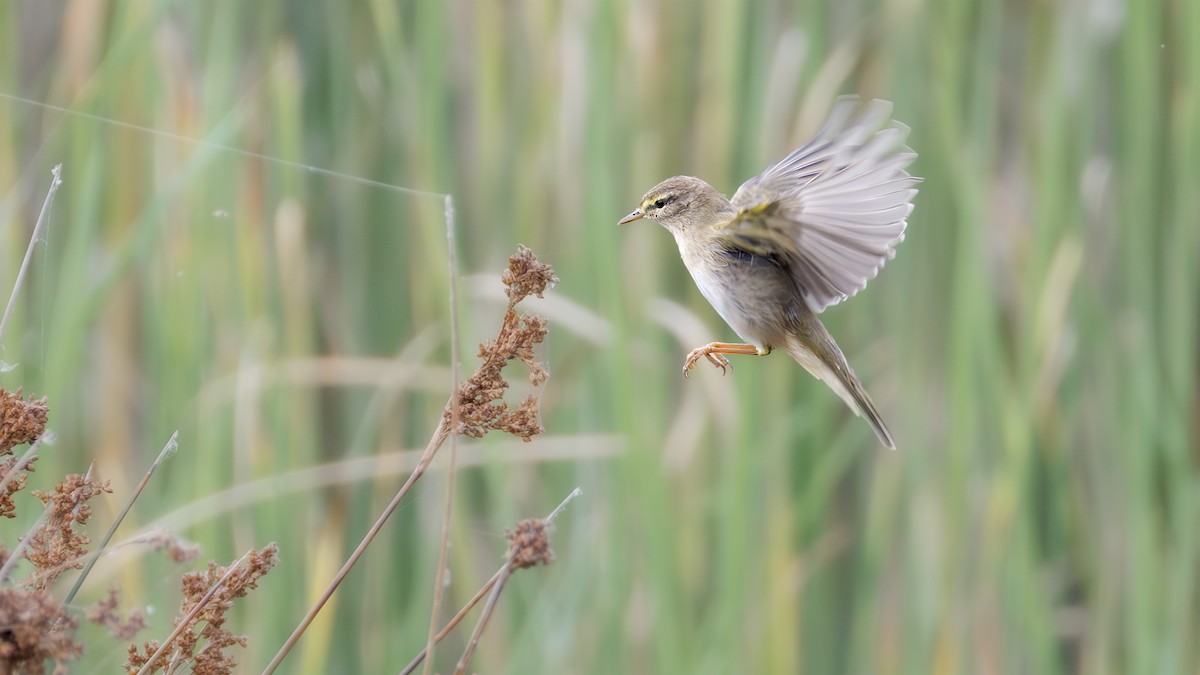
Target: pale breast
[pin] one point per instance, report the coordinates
(748, 291)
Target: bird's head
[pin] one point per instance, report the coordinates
(680, 203)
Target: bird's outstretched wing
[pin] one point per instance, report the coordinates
(834, 210)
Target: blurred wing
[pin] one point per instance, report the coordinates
(836, 208)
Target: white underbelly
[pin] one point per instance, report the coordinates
(713, 283)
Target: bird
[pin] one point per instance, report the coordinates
(808, 232)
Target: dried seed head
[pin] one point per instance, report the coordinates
(58, 544)
(13, 485)
(526, 276)
(529, 544)
(523, 422)
(202, 645)
(21, 421)
(36, 628)
(480, 399)
(178, 549)
(105, 613)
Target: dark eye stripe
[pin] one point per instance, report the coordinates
(663, 201)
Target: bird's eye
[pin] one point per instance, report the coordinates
(658, 204)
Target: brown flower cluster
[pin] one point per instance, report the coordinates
(480, 399)
(12, 483)
(21, 421)
(178, 549)
(207, 658)
(57, 544)
(526, 276)
(105, 613)
(529, 544)
(35, 628)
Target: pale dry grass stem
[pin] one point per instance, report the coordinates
(38, 228)
(439, 577)
(170, 447)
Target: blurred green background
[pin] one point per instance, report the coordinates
(236, 253)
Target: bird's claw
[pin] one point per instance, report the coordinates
(718, 360)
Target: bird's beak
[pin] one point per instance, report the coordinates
(636, 215)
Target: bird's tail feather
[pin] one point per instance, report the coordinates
(835, 372)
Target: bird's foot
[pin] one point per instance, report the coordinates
(715, 351)
(707, 351)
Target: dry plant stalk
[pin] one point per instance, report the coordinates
(33, 627)
(476, 406)
(38, 228)
(167, 450)
(528, 546)
(36, 628)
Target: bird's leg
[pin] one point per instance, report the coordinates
(714, 352)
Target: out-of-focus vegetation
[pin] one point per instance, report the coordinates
(240, 251)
